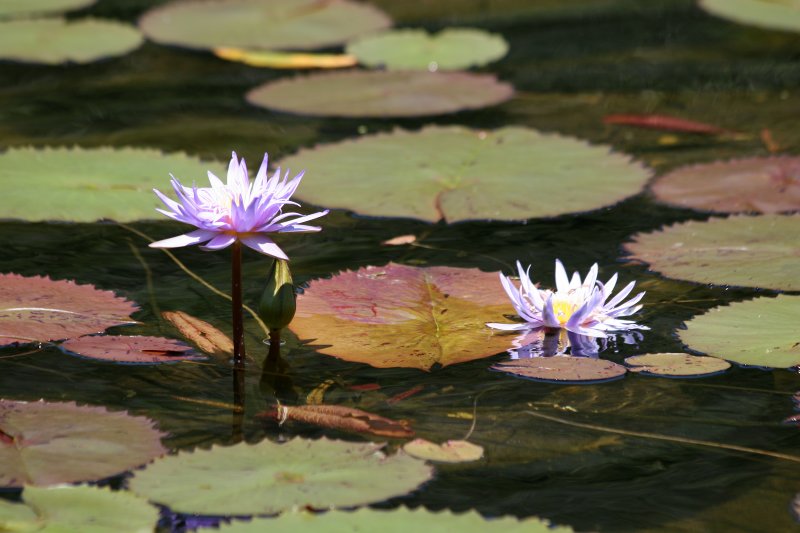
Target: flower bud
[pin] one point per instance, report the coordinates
(277, 305)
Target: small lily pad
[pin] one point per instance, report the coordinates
(381, 94)
(759, 184)
(676, 365)
(456, 173)
(746, 251)
(54, 40)
(773, 14)
(43, 443)
(452, 451)
(560, 369)
(20, 8)
(255, 24)
(759, 332)
(285, 60)
(267, 478)
(86, 509)
(412, 49)
(130, 349)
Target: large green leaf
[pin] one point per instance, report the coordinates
(87, 184)
(256, 24)
(455, 173)
(65, 509)
(16, 8)
(44, 443)
(54, 41)
(267, 477)
(450, 49)
(381, 93)
(400, 520)
(761, 332)
(773, 14)
(761, 251)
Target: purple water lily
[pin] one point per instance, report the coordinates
(579, 306)
(236, 210)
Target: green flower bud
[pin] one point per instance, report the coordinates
(277, 305)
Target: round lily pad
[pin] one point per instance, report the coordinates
(18, 8)
(676, 365)
(131, 349)
(267, 478)
(759, 332)
(55, 40)
(456, 173)
(773, 14)
(256, 24)
(452, 451)
(381, 93)
(86, 509)
(412, 49)
(746, 251)
(400, 520)
(758, 184)
(43, 443)
(88, 184)
(561, 369)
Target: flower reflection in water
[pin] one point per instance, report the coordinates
(549, 343)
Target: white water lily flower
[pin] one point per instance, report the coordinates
(579, 306)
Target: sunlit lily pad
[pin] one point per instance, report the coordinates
(130, 349)
(88, 184)
(560, 369)
(452, 451)
(759, 184)
(55, 40)
(412, 49)
(285, 60)
(455, 173)
(44, 443)
(760, 332)
(400, 520)
(40, 309)
(267, 477)
(404, 316)
(381, 93)
(773, 14)
(85, 509)
(17, 8)
(746, 251)
(676, 365)
(255, 24)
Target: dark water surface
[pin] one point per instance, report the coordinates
(572, 63)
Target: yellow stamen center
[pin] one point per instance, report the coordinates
(563, 309)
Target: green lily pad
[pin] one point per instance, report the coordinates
(762, 251)
(676, 365)
(759, 332)
(400, 520)
(43, 443)
(255, 24)
(267, 478)
(85, 509)
(758, 184)
(54, 41)
(456, 173)
(18, 8)
(772, 14)
(561, 369)
(452, 451)
(411, 49)
(381, 94)
(88, 184)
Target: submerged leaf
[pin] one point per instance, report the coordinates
(268, 478)
(130, 349)
(676, 365)
(40, 309)
(452, 451)
(663, 122)
(283, 60)
(403, 316)
(341, 418)
(43, 443)
(199, 332)
(561, 369)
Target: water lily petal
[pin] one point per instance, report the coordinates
(187, 239)
(263, 244)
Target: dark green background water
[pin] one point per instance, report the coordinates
(571, 62)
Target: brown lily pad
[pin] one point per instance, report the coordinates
(560, 369)
(44, 443)
(758, 184)
(130, 349)
(676, 365)
(341, 418)
(199, 332)
(40, 309)
(452, 451)
(404, 316)
(381, 93)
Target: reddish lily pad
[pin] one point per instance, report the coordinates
(452, 451)
(676, 365)
(40, 309)
(404, 316)
(205, 336)
(341, 418)
(381, 93)
(560, 369)
(758, 184)
(44, 443)
(130, 349)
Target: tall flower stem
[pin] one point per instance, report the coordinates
(236, 305)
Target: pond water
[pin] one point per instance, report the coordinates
(571, 65)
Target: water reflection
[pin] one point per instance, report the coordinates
(548, 342)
